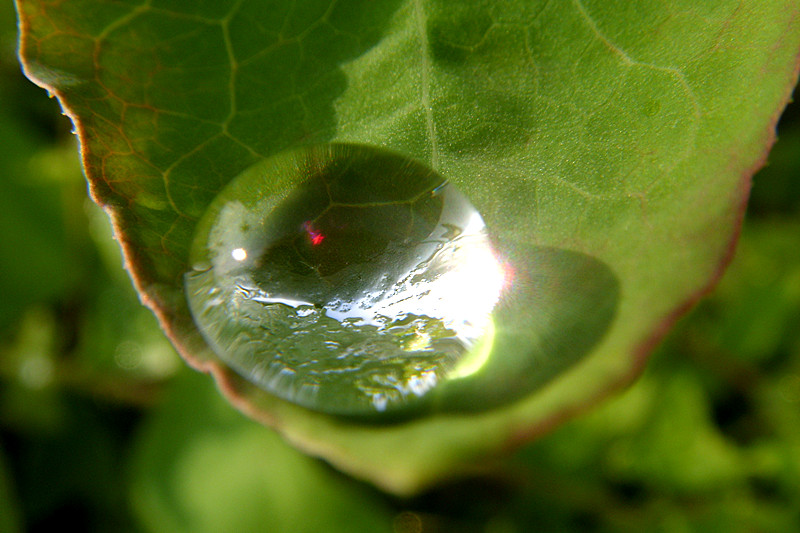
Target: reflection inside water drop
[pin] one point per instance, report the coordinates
(359, 289)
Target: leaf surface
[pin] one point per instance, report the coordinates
(624, 131)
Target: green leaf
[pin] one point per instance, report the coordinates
(624, 132)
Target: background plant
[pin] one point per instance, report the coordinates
(103, 426)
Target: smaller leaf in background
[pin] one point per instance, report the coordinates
(678, 449)
(755, 315)
(198, 466)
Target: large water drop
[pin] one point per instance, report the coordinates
(346, 279)
(355, 281)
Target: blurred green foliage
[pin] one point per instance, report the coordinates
(103, 428)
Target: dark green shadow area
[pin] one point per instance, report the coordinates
(288, 78)
(560, 306)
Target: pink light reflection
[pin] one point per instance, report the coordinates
(316, 236)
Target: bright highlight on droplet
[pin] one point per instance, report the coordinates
(346, 279)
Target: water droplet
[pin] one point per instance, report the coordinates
(355, 281)
(344, 278)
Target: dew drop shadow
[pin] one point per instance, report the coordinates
(559, 306)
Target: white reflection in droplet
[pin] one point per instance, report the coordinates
(459, 285)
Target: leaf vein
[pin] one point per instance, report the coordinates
(673, 72)
(427, 109)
